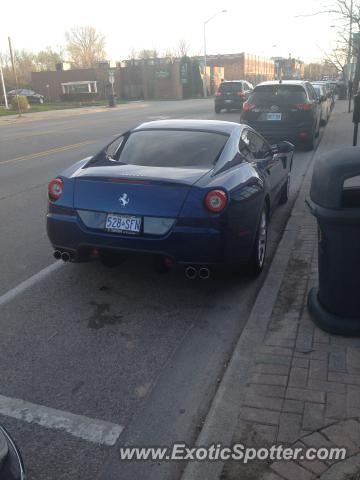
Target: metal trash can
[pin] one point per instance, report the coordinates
(335, 202)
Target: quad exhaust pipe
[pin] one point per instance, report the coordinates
(64, 256)
(191, 273)
(204, 273)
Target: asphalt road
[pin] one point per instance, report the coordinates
(128, 346)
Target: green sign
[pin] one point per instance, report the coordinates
(162, 74)
(184, 73)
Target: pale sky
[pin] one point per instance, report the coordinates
(261, 27)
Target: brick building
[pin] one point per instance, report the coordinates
(145, 79)
(244, 66)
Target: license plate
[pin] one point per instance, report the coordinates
(123, 223)
(274, 116)
(228, 101)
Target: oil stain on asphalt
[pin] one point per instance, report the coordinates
(101, 316)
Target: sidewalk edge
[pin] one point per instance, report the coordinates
(222, 418)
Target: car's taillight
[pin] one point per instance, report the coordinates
(304, 106)
(55, 189)
(241, 94)
(216, 201)
(218, 94)
(248, 106)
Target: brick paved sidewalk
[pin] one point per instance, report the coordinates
(302, 378)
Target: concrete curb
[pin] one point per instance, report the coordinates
(222, 418)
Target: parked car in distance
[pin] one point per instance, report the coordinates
(330, 89)
(284, 110)
(232, 94)
(32, 96)
(325, 102)
(197, 193)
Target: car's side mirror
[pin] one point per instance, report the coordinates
(283, 147)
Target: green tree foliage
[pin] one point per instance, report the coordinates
(48, 58)
(23, 103)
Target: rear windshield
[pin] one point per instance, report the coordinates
(278, 94)
(230, 87)
(172, 148)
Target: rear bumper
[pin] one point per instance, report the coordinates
(229, 103)
(275, 132)
(185, 245)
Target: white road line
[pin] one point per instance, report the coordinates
(14, 292)
(92, 430)
(158, 117)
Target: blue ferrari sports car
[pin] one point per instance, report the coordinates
(198, 193)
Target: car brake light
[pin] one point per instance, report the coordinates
(248, 106)
(218, 94)
(216, 200)
(304, 106)
(241, 94)
(55, 189)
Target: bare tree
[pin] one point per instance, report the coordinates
(85, 46)
(337, 57)
(182, 48)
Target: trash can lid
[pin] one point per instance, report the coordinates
(330, 171)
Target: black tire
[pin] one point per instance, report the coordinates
(284, 194)
(217, 109)
(310, 144)
(257, 259)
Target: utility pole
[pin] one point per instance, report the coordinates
(15, 76)
(205, 56)
(3, 86)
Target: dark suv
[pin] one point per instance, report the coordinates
(284, 110)
(232, 94)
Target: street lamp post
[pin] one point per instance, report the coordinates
(205, 23)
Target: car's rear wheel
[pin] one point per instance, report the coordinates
(257, 259)
(217, 109)
(310, 144)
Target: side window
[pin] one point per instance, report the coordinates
(311, 92)
(244, 146)
(258, 146)
(113, 149)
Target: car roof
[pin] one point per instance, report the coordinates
(283, 82)
(218, 126)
